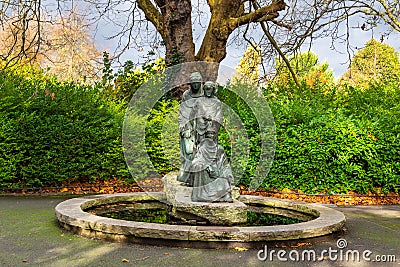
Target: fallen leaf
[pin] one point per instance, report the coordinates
(125, 260)
(303, 244)
(286, 190)
(142, 259)
(241, 249)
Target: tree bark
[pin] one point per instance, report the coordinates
(173, 20)
(227, 15)
(178, 39)
(213, 47)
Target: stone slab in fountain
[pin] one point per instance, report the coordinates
(216, 213)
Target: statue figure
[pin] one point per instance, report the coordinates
(204, 163)
(210, 170)
(187, 127)
(207, 113)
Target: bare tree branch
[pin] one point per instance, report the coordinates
(276, 46)
(141, 24)
(153, 15)
(262, 14)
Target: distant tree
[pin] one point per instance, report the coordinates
(17, 43)
(125, 82)
(301, 63)
(307, 68)
(63, 47)
(377, 62)
(70, 51)
(248, 69)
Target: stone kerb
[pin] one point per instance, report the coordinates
(71, 216)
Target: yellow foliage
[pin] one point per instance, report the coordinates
(241, 249)
(248, 70)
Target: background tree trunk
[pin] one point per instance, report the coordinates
(178, 37)
(213, 47)
(172, 20)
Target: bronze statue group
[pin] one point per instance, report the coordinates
(204, 164)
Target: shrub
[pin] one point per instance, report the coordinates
(53, 132)
(344, 141)
(328, 140)
(246, 162)
(333, 141)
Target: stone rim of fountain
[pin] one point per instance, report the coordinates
(71, 216)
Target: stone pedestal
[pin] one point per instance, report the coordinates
(217, 213)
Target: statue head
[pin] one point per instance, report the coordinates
(210, 89)
(196, 82)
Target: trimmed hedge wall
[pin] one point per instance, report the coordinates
(337, 141)
(52, 132)
(333, 141)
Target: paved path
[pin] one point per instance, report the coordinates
(29, 236)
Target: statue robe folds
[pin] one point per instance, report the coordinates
(187, 138)
(212, 182)
(211, 172)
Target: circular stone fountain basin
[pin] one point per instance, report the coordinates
(72, 216)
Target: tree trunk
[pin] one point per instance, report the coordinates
(227, 15)
(178, 37)
(213, 47)
(178, 40)
(173, 21)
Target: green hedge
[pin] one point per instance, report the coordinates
(52, 132)
(337, 141)
(245, 163)
(330, 140)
